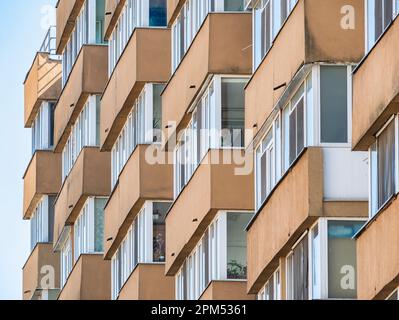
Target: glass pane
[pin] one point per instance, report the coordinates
(233, 115)
(233, 5)
(300, 270)
(100, 13)
(157, 13)
(386, 164)
(157, 111)
(99, 204)
(159, 213)
(237, 245)
(333, 104)
(342, 259)
(374, 206)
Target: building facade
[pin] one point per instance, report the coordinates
(214, 150)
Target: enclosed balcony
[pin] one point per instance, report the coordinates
(314, 31)
(226, 290)
(138, 182)
(42, 177)
(90, 176)
(146, 59)
(374, 100)
(90, 279)
(41, 272)
(221, 46)
(221, 182)
(88, 77)
(42, 83)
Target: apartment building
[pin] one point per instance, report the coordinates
(42, 178)
(131, 119)
(310, 189)
(85, 171)
(375, 130)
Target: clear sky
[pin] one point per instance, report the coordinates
(22, 29)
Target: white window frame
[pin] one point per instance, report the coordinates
(66, 265)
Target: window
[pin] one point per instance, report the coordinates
(189, 21)
(42, 222)
(84, 133)
(144, 243)
(135, 13)
(380, 14)
(272, 289)
(43, 128)
(382, 167)
(323, 263)
(334, 104)
(66, 260)
(269, 16)
(217, 121)
(89, 228)
(83, 33)
(293, 125)
(394, 295)
(219, 255)
(143, 126)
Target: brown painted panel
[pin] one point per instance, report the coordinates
(90, 279)
(41, 256)
(148, 282)
(42, 177)
(113, 9)
(67, 12)
(139, 181)
(213, 187)
(173, 9)
(146, 59)
(318, 37)
(42, 83)
(227, 291)
(222, 46)
(294, 206)
(89, 177)
(88, 76)
(376, 99)
(378, 256)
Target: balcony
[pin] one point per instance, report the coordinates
(227, 291)
(42, 83)
(90, 176)
(173, 9)
(375, 101)
(113, 8)
(138, 182)
(67, 12)
(214, 186)
(90, 279)
(37, 267)
(42, 177)
(88, 77)
(378, 255)
(311, 189)
(148, 282)
(222, 46)
(312, 33)
(146, 59)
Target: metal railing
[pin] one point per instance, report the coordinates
(49, 44)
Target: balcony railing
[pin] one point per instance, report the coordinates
(49, 43)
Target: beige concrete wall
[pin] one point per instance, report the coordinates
(213, 187)
(148, 282)
(43, 83)
(376, 100)
(42, 177)
(90, 176)
(90, 279)
(113, 8)
(222, 46)
(41, 256)
(146, 59)
(378, 256)
(139, 181)
(227, 291)
(66, 14)
(173, 9)
(318, 38)
(88, 76)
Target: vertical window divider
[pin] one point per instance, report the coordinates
(396, 154)
(222, 246)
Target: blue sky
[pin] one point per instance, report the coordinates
(22, 29)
